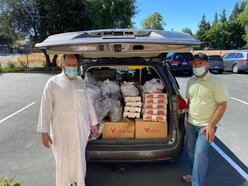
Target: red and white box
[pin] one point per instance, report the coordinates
(133, 99)
(156, 95)
(148, 117)
(133, 104)
(154, 106)
(161, 112)
(132, 109)
(156, 101)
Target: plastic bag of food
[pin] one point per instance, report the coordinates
(100, 127)
(129, 89)
(116, 110)
(93, 91)
(153, 86)
(89, 79)
(109, 87)
(102, 106)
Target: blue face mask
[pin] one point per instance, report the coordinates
(71, 72)
(199, 71)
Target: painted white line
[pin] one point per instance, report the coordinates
(239, 100)
(11, 115)
(230, 161)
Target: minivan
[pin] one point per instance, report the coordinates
(180, 62)
(130, 55)
(236, 61)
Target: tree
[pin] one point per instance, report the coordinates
(223, 17)
(243, 20)
(201, 34)
(112, 13)
(187, 30)
(154, 21)
(37, 19)
(215, 18)
(214, 36)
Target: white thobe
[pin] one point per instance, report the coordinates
(66, 112)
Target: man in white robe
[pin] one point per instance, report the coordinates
(66, 118)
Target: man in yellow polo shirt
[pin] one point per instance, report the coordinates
(207, 101)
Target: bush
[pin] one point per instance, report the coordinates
(12, 69)
(9, 182)
(11, 65)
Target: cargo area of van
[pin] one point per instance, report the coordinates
(131, 104)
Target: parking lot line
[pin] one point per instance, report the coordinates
(239, 100)
(230, 161)
(11, 115)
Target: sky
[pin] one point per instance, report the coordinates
(178, 14)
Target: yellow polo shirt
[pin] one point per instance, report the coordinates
(204, 95)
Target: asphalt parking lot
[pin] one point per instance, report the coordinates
(23, 157)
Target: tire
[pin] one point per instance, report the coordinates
(235, 69)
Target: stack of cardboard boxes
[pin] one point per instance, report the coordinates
(155, 107)
(152, 126)
(154, 123)
(132, 107)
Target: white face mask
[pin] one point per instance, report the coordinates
(199, 71)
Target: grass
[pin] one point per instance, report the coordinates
(32, 69)
(34, 59)
(10, 182)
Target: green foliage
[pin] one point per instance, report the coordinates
(112, 13)
(224, 32)
(11, 65)
(201, 34)
(154, 21)
(187, 30)
(9, 182)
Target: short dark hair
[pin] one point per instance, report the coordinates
(77, 56)
(200, 56)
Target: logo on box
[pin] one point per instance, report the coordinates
(119, 131)
(149, 130)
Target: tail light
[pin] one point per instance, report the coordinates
(245, 61)
(190, 62)
(182, 105)
(175, 62)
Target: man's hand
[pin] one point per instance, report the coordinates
(94, 129)
(210, 133)
(46, 140)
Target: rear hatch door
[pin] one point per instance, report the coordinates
(118, 43)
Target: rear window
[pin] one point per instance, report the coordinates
(181, 56)
(239, 55)
(231, 55)
(214, 58)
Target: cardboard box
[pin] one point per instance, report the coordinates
(134, 104)
(154, 106)
(161, 112)
(148, 117)
(133, 99)
(156, 100)
(131, 115)
(121, 129)
(156, 95)
(148, 129)
(132, 109)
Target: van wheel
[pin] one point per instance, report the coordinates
(235, 68)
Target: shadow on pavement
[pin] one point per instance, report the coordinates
(220, 173)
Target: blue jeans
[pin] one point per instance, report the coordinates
(197, 147)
